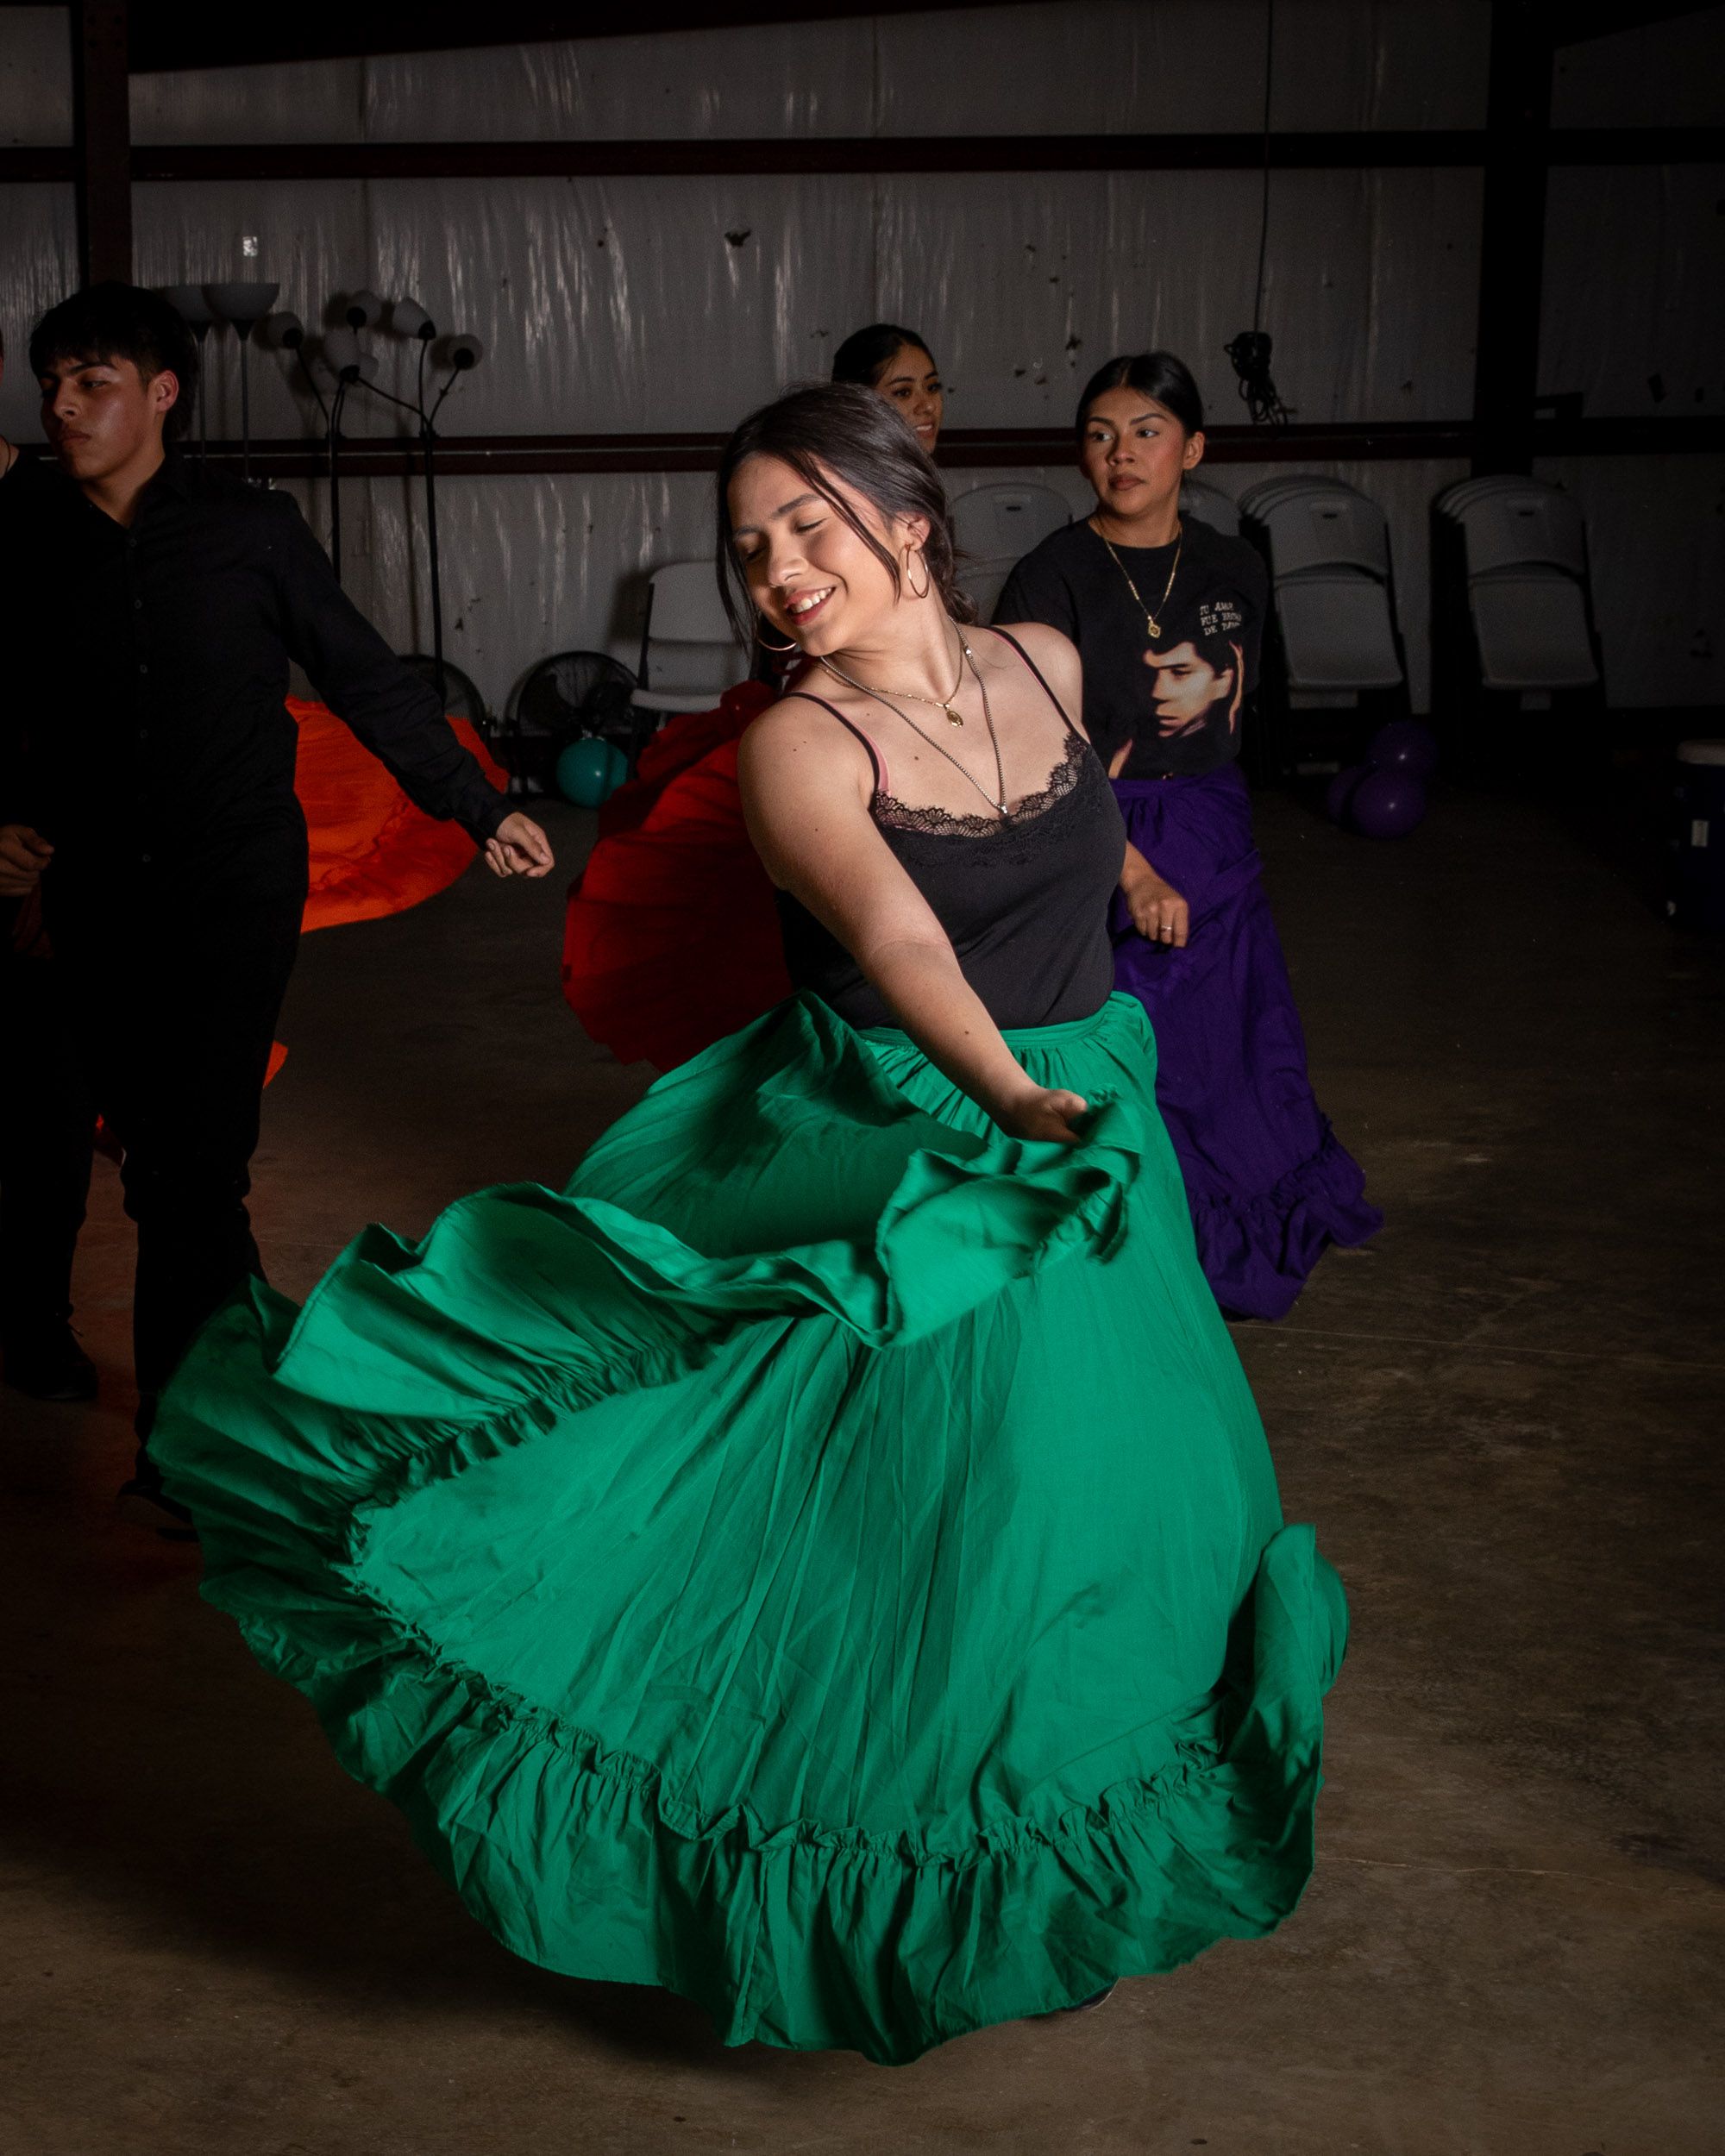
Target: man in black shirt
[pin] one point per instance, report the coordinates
(48, 1121)
(153, 789)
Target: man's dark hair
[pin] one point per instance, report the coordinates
(835, 430)
(1158, 374)
(122, 321)
(864, 355)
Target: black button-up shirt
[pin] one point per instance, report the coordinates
(145, 679)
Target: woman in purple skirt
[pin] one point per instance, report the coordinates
(1168, 616)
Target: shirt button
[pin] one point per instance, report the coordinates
(137, 607)
(143, 733)
(143, 666)
(145, 858)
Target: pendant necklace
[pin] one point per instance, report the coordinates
(997, 801)
(947, 703)
(1149, 621)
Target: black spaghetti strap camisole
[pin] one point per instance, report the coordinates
(1023, 897)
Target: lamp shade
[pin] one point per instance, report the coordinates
(362, 310)
(462, 352)
(286, 331)
(408, 319)
(190, 304)
(344, 358)
(243, 304)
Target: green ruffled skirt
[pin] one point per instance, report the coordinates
(826, 1561)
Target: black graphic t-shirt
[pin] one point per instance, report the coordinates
(1153, 707)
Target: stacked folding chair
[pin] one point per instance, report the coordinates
(996, 526)
(1210, 506)
(1334, 667)
(1513, 618)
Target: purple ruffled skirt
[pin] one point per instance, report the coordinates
(1269, 1185)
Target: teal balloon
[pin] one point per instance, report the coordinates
(585, 773)
(618, 767)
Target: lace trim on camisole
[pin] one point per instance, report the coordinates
(914, 816)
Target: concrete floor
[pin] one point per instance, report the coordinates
(1504, 1417)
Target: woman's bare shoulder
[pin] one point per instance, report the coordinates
(795, 727)
(1055, 658)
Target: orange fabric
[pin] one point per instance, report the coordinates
(672, 938)
(371, 852)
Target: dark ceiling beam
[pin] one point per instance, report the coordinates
(1575, 21)
(168, 34)
(1512, 238)
(102, 139)
(972, 447)
(867, 153)
(800, 155)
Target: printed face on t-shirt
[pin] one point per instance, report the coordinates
(1189, 679)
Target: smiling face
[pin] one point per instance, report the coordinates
(102, 417)
(911, 385)
(809, 573)
(1134, 452)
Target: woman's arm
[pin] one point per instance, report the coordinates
(1158, 910)
(806, 789)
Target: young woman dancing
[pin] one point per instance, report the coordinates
(826, 1560)
(670, 941)
(1168, 615)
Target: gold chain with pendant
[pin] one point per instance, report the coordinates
(1150, 620)
(947, 703)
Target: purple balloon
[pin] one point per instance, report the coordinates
(1340, 791)
(1406, 746)
(1386, 805)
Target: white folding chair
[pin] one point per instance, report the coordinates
(1210, 506)
(1003, 522)
(689, 651)
(1330, 581)
(994, 527)
(1524, 546)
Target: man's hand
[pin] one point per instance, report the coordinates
(23, 855)
(1159, 913)
(519, 847)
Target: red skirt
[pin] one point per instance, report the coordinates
(672, 940)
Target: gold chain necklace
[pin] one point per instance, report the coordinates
(947, 703)
(1150, 620)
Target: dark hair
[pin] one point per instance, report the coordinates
(864, 355)
(1158, 374)
(838, 431)
(122, 321)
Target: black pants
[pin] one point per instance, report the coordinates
(47, 1117)
(174, 1011)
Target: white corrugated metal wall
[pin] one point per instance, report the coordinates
(623, 304)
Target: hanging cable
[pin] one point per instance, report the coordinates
(1264, 199)
(1249, 351)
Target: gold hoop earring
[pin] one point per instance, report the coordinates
(927, 576)
(781, 648)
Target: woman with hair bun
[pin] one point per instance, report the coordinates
(825, 1561)
(1168, 615)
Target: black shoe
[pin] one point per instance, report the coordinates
(145, 1503)
(47, 1363)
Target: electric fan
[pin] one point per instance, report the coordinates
(569, 694)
